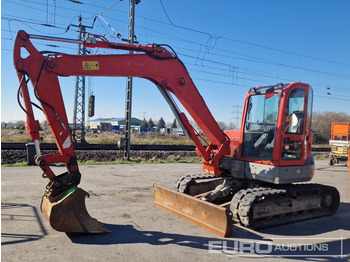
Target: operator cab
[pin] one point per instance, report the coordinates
(277, 122)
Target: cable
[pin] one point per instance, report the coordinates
(182, 27)
(262, 60)
(26, 23)
(259, 71)
(198, 31)
(19, 94)
(30, 22)
(58, 7)
(259, 60)
(36, 9)
(35, 86)
(139, 49)
(248, 43)
(248, 73)
(332, 98)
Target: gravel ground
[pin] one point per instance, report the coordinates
(121, 197)
(18, 156)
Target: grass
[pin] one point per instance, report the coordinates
(20, 136)
(322, 157)
(169, 160)
(138, 139)
(14, 136)
(15, 165)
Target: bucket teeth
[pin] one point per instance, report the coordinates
(67, 213)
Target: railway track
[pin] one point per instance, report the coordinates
(20, 152)
(51, 146)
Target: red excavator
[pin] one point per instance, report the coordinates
(248, 174)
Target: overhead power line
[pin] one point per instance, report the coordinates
(334, 98)
(188, 29)
(214, 51)
(248, 43)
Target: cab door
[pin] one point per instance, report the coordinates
(296, 126)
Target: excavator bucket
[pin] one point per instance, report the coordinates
(212, 217)
(67, 213)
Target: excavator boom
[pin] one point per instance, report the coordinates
(65, 210)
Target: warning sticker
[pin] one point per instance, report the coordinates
(91, 65)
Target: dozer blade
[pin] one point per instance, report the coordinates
(212, 217)
(67, 213)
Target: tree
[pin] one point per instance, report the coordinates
(174, 124)
(44, 125)
(161, 124)
(232, 126)
(322, 124)
(150, 124)
(222, 125)
(20, 125)
(144, 123)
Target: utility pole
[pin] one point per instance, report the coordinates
(237, 115)
(78, 131)
(129, 83)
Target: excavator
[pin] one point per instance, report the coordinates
(253, 176)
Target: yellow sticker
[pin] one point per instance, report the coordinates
(91, 65)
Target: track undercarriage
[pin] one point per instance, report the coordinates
(259, 205)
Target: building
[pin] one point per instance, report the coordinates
(112, 124)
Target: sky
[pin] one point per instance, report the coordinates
(227, 46)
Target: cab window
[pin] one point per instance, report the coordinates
(294, 123)
(260, 127)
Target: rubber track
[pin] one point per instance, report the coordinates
(239, 196)
(182, 183)
(244, 201)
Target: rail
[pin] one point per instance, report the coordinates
(51, 146)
